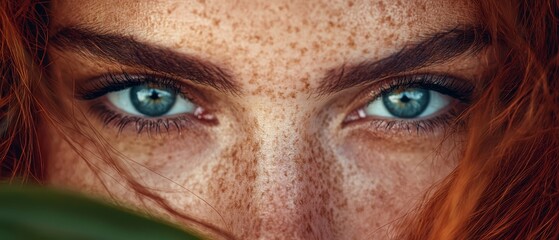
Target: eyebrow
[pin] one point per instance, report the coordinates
(434, 49)
(128, 51)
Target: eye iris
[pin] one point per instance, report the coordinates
(406, 103)
(152, 101)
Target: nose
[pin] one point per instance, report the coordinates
(296, 185)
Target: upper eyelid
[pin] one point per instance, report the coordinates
(442, 80)
(377, 88)
(101, 85)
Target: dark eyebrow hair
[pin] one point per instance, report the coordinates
(436, 48)
(126, 50)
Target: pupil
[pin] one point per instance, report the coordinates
(150, 101)
(405, 99)
(407, 103)
(154, 95)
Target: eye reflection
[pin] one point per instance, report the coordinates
(151, 101)
(406, 103)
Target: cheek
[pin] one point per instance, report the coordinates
(349, 184)
(420, 160)
(84, 170)
(196, 174)
(387, 176)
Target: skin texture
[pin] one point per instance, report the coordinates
(279, 162)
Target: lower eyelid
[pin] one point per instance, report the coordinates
(397, 127)
(138, 124)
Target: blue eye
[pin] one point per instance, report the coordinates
(407, 103)
(150, 101)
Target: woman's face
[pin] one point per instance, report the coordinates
(288, 119)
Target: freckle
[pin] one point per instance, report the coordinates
(293, 95)
(269, 40)
(316, 46)
(293, 45)
(255, 38)
(216, 22)
(271, 93)
(351, 42)
(306, 84)
(171, 9)
(253, 78)
(389, 40)
(258, 90)
(350, 3)
(381, 7)
(235, 25)
(384, 19)
(409, 12)
(296, 61)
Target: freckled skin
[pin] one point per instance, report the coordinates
(280, 164)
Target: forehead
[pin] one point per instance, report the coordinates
(278, 36)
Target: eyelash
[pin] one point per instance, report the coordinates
(121, 121)
(112, 82)
(459, 89)
(425, 126)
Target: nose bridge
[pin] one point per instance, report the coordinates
(278, 167)
(291, 188)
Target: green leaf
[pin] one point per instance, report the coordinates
(39, 213)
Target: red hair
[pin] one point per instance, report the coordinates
(505, 186)
(23, 35)
(25, 103)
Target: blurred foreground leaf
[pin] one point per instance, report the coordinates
(39, 213)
